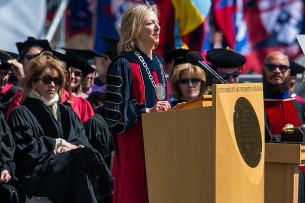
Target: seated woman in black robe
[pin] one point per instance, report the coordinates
(8, 181)
(187, 82)
(53, 156)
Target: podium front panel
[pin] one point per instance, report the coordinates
(238, 139)
(209, 154)
(178, 155)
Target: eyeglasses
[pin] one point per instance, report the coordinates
(272, 67)
(76, 73)
(47, 79)
(186, 81)
(5, 73)
(30, 56)
(227, 76)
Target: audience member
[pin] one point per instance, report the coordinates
(187, 82)
(7, 91)
(75, 69)
(53, 157)
(89, 57)
(102, 63)
(80, 106)
(10, 189)
(174, 57)
(227, 63)
(27, 50)
(96, 98)
(291, 81)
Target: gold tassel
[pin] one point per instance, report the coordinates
(6, 54)
(303, 76)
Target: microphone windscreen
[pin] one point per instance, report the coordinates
(199, 54)
(193, 57)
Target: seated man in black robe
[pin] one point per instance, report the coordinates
(8, 180)
(7, 91)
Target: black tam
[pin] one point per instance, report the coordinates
(225, 58)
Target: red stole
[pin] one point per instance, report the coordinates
(280, 113)
(138, 83)
(6, 88)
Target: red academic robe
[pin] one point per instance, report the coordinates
(129, 92)
(280, 112)
(80, 106)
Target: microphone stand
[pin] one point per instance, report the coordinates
(212, 75)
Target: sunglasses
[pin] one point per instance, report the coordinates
(47, 79)
(227, 76)
(185, 81)
(272, 67)
(5, 73)
(76, 73)
(30, 56)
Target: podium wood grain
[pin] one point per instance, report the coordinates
(192, 155)
(282, 171)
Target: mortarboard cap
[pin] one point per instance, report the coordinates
(225, 58)
(73, 61)
(4, 57)
(295, 68)
(301, 40)
(85, 55)
(174, 54)
(112, 50)
(23, 47)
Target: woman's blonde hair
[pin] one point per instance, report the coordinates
(132, 21)
(175, 79)
(36, 67)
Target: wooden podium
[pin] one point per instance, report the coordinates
(208, 153)
(282, 171)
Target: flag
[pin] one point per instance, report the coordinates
(229, 18)
(189, 18)
(79, 19)
(182, 19)
(273, 26)
(109, 16)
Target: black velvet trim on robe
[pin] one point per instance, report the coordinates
(121, 111)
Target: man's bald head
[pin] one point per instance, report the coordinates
(276, 68)
(278, 56)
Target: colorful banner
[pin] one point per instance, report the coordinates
(273, 25)
(187, 15)
(229, 19)
(79, 17)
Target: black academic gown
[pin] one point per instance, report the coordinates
(60, 177)
(7, 149)
(174, 103)
(99, 136)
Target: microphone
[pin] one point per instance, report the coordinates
(195, 58)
